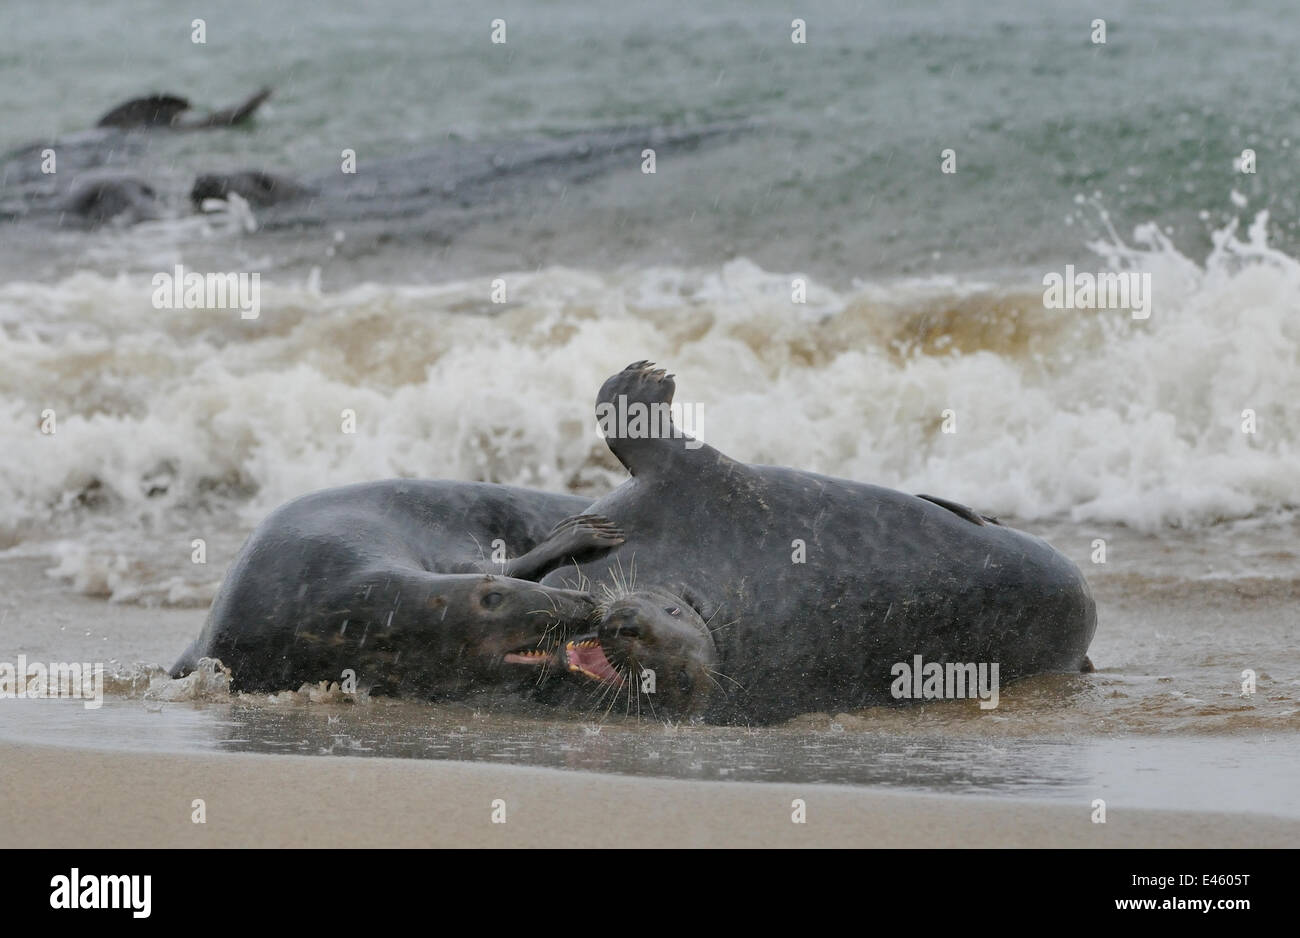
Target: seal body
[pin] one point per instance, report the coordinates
(100, 198)
(172, 111)
(812, 589)
(387, 579)
(258, 188)
(106, 174)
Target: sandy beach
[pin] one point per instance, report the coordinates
(77, 798)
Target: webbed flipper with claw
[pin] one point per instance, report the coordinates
(573, 537)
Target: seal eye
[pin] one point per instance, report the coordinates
(491, 599)
(672, 610)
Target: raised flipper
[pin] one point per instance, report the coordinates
(960, 511)
(230, 116)
(571, 538)
(633, 413)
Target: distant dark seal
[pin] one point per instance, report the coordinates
(172, 111)
(392, 580)
(754, 593)
(101, 197)
(256, 187)
(105, 174)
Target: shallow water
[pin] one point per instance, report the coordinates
(1162, 723)
(842, 180)
(1250, 773)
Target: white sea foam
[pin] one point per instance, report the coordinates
(172, 415)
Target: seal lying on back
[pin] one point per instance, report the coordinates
(754, 593)
(390, 579)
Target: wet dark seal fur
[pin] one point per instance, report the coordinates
(258, 188)
(754, 593)
(393, 580)
(173, 112)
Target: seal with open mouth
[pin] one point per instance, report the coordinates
(393, 581)
(809, 589)
(651, 653)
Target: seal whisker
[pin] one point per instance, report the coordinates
(481, 556)
(612, 700)
(650, 703)
(726, 677)
(725, 625)
(633, 692)
(604, 690)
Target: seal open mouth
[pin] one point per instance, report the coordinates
(586, 656)
(531, 656)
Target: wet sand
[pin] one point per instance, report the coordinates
(78, 798)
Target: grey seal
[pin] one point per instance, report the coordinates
(754, 593)
(396, 581)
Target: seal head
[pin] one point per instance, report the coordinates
(653, 647)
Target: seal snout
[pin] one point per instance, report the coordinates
(620, 623)
(569, 605)
(532, 620)
(652, 643)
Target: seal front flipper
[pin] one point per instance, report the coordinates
(570, 538)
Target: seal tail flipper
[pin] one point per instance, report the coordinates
(1087, 667)
(187, 662)
(234, 115)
